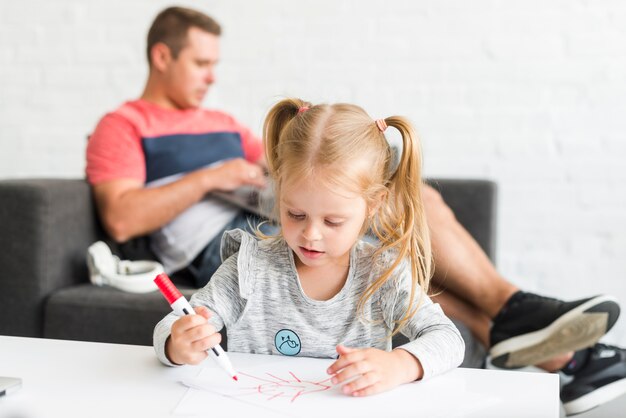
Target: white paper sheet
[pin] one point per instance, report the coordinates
(299, 387)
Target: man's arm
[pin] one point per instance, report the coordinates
(129, 209)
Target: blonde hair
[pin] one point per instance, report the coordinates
(344, 145)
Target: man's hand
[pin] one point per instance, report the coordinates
(372, 371)
(236, 173)
(191, 336)
(129, 209)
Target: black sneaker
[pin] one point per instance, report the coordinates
(531, 329)
(602, 378)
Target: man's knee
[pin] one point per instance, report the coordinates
(434, 205)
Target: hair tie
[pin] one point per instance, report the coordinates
(303, 109)
(382, 125)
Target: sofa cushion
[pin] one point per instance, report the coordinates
(105, 314)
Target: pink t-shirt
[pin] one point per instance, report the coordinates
(143, 141)
(156, 146)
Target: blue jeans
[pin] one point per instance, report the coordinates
(206, 263)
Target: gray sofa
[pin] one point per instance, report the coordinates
(46, 226)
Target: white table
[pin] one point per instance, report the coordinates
(81, 379)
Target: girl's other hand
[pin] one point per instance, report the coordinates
(370, 370)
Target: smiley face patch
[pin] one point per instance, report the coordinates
(287, 342)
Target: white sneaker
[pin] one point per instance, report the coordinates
(129, 276)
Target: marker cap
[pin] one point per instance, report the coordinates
(166, 287)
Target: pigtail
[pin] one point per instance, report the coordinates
(277, 119)
(401, 222)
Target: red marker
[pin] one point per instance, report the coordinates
(181, 307)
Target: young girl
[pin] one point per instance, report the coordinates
(316, 289)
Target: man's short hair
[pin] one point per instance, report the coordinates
(172, 24)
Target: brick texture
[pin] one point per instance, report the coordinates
(530, 94)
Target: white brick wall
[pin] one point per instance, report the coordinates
(531, 94)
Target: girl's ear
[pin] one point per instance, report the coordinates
(378, 201)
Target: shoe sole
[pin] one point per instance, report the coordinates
(596, 398)
(579, 328)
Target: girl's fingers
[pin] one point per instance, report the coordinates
(347, 356)
(352, 371)
(203, 311)
(207, 343)
(342, 349)
(199, 332)
(187, 323)
(370, 390)
(361, 384)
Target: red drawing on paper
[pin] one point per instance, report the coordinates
(291, 387)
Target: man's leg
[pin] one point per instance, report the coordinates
(527, 329)
(480, 324)
(461, 266)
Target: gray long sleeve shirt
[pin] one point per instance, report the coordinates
(257, 295)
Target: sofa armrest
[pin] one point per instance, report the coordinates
(46, 226)
(474, 205)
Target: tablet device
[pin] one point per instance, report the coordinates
(251, 199)
(9, 384)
